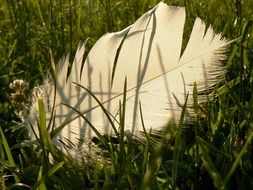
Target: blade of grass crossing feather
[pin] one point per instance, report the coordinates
(226, 87)
(53, 106)
(35, 134)
(52, 64)
(210, 168)
(48, 174)
(196, 150)
(153, 165)
(45, 138)
(195, 98)
(42, 123)
(42, 186)
(232, 56)
(117, 57)
(147, 141)
(8, 154)
(178, 145)
(122, 118)
(89, 123)
(58, 129)
(103, 108)
(53, 131)
(43, 132)
(51, 120)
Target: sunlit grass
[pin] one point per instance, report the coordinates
(215, 151)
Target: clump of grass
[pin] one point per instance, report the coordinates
(214, 152)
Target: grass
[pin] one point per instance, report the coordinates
(214, 152)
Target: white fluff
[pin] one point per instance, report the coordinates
(157, 76)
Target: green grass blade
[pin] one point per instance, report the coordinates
(42, 186)
(117, 57)
(178, 145)
(89, 123)
(78, 20)
(42, 123)
(211, 169)
(122, 119)
(239, 157)
(45, 138)
(8, 153)
(39, 11)
(48, 174)
(108, 116)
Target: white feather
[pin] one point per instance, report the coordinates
(157, 76)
